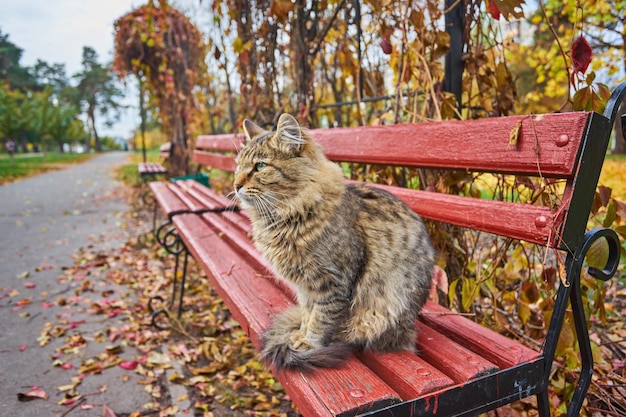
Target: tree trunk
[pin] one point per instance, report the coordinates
(179, 152)
(24, 141)
(91, 114)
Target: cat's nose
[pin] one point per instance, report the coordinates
(238, 186)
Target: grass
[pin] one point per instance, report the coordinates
(25, 165)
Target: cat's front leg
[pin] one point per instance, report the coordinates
(298, 338)
(319, 325)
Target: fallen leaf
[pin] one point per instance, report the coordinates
(107, 412)
(35, 394)
(128, 365)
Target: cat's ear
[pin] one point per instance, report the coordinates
(289, 133)
(251, 130)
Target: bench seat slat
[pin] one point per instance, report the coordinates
(168, 201)
(452, 359)
(148, 168)
(207, 196)
(189, 200)
(253, 301)
(410, 375)
(498, 349)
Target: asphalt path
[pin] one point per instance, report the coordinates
(44, 220)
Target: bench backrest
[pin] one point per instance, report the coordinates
(164, 150)
(553, 146)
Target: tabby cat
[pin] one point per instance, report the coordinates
(360, 260)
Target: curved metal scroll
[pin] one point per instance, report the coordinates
(572, 292)
(168, 237)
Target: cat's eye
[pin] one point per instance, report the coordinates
(260, 166)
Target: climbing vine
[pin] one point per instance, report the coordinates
(165, 51)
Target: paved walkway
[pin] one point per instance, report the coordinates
(43, 221)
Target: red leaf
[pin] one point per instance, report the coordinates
(386, 46)
(493, 10)
(35, 394)
(128, 365)
(23, 348)
(581, 54)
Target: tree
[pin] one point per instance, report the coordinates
(56, 121)
(11, 71)
(50, 75)
(98, 92)
(165, 51)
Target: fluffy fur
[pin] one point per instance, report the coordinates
(361, 261)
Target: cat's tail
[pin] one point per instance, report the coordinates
(278, 350)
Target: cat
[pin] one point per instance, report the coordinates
(360, 260)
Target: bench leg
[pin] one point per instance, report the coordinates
(175, 246)
(543, 403)
(155, 209)
(573, 293)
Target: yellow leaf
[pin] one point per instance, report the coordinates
(514, 135)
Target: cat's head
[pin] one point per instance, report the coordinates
(277, 169)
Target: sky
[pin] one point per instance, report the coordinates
(55, 31)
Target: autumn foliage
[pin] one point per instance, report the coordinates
(164, 50)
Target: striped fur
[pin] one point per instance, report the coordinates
(361, 261)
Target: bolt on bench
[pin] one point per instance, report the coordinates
(462, 368)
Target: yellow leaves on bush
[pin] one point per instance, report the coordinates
(613, 176)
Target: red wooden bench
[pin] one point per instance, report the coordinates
(462, 368)
(152, 169)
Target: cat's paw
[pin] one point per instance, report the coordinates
(299, 341)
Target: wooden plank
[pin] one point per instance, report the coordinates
(221, 162)
(410, 375)
(253, 302)
(546, 143)
(240, 241)
(500, 350)
(166, 199)
(520, 221)
(229, 142)
(349, 390)
(189, 200)
(151, 168)
(452, 359)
